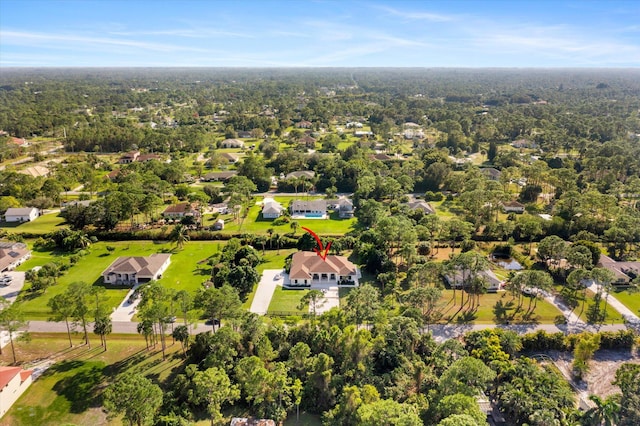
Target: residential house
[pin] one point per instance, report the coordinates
(21, 214)
(129, 157)
(460, 279)
(219, 176)
(513, 207)
(178, 211)
(136, 269)
(362, 133)
(218, 225)
(343, 206)
(19, 141)
(307, 141)
(307, 174)
(13, 382)
(243, 421)
(148, 157)
(491, 173)
(232, 143)
(12, 254)
(624, 272)
(304, 124)
(244, 134)
(524, 143)
(230, 157)
(309, 270)
(271, 209)
(421, 205)
(36, 171)
(309, 209)
(382, 157)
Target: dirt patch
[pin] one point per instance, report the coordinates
(602, 371)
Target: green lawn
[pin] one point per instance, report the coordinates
(42, 225)
(69, 392)
(188, 270)
(255, 224)
(613, 316)
(543, 313)
(287, 300)
(630, 300)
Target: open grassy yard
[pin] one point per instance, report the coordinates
(484, 314)
(69, 392)
(582, 310)
(287, 301)
(44, 224)
(254, 223)
(628, 299)
(188, 270)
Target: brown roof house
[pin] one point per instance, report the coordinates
(129, 157)
(178, 211)
(12, 254)
(13, 382)
(136, 269)
(309, 270)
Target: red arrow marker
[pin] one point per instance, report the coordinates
(319, 251)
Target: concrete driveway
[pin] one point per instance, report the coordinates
(264, 292)
(11, 291)
(125, 310)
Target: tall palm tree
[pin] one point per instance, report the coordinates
(294, 226)
(179, 236)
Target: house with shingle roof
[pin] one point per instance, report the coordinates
(178, 211)
(309, 209)
(136, 269)
(12, 254)
(232, 143)
(271, 209)
(513, 207)
(21, 214)
(309, 270)
(422, 206)
(308, 174)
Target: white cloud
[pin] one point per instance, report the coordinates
(416, 16)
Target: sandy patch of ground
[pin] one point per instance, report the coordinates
(602, 372)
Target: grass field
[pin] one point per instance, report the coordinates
(42, 225)
(287, 301)
(69, 392)
(254, 223)
(630, 300)
(484, 314)
(188, 269)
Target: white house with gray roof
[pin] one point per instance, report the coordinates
(136, 269)
(21, 214)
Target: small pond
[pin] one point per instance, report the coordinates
(506, 262)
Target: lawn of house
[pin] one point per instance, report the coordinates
(287, 301)
(188, 269)
(42, 225)
(254, 223)
(612, 317)
(69, 392)
(451, 312)
(629, 299)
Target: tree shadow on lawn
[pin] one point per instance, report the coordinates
(126, 363)
(81, 389)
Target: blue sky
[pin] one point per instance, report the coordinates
(470, 33)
